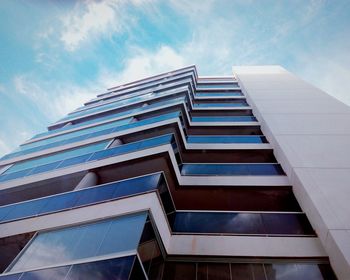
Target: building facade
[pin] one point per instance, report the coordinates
(178, 176)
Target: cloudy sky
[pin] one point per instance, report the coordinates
(54, 55)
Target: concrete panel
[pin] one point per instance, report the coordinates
(310, 133)
(307, 106)
(317, 151)
(323, 124)
(338, 246)
(287, 94)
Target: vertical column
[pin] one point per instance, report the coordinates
(90, 179)
(116, 142)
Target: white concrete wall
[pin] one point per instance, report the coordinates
(310, 132)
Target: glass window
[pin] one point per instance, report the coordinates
(225, 119)
(241, 271)
(84, 241)
(57, 273)
(115, 269)
(217, 85)
(123, 234)
(84, 131)
(26, 209)
(213, 271)
(208, 105)
(56, 157)
(226, 139)
(218, 93)
(206, 222)
(231, 169)
(179, 270)
(11, 277)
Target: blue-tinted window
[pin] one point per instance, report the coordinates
(115, 269)
(82, 197)
(56, 157)
(208, 105)
(226, 139)
(225, 119)
(232, 169)
(74, 134)
(217, 85)
(84, 241)
(56, 273)
(11, 277)
(218, 93)
(122, 234)
(60, 202)
(206, 222)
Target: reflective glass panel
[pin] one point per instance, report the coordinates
(226, 139)
(56, 157)
(218, 85)
(56, 273)
(207, 222)
(115, 269)
(84, 241)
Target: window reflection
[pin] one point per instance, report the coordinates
(78, 242)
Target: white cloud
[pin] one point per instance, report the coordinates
(143, 64)
(92, 19)
(54, 100)
(4, 148)
(328, 71)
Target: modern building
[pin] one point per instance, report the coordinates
(178, 176)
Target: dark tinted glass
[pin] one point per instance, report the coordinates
(60, 202)
(208, 105)
(216, 93)
(5, 210)
(327, 272)
(241, 271)
(75, 160)
(94, 195)
(57, 273)
(137, 271)
(206, 222)
(116, 269)
(287, 224)
(26, 209)
(179, 271)
(45, 167)
(231, 169)
(213, 271)
(15, 175)
(258, 272)
(240, 223)
(226, 139)
(282, 272)
(138, 185)
(82, 197)
(224, 119)
(315, 272)
(11, 277)
(218, 85)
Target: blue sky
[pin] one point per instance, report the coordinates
(54, 55)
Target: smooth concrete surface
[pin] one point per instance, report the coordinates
(310, 133)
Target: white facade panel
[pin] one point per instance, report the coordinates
(309, 132)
